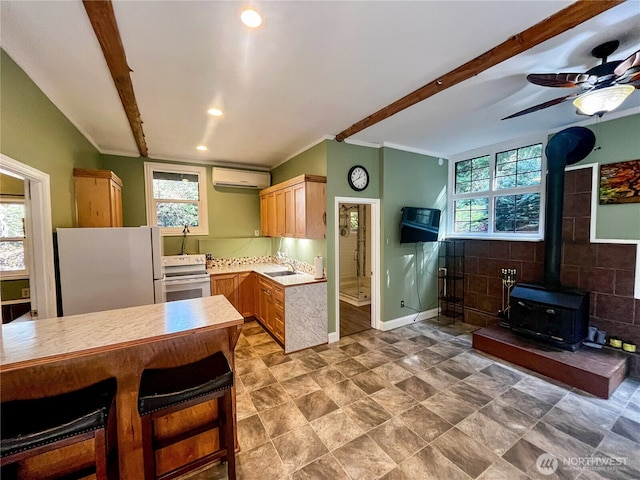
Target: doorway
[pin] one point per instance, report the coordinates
(357, 265)
(355, 268)
(37, 199)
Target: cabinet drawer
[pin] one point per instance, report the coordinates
(278, 296)
(278, 326)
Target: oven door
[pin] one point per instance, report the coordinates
(183, 288)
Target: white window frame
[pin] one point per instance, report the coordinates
(24, 273)
(203, 215)
(492, 193)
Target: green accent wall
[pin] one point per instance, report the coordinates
(11, 185)
(617, 140)
(233, 212)
(34, 132)
(310, 162)
(340, 158)
(12, 289)
(409, 270)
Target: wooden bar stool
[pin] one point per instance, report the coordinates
(36, 426)
(165, 391)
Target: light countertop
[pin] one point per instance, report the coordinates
(263, 268)
(76, 335)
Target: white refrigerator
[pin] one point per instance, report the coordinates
(107, 268)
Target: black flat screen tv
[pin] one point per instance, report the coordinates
(419, 225)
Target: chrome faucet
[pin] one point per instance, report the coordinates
(293, 268)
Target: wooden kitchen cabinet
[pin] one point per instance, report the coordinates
(268, 214)
(227, 285)
(98, 196)
(238, 288)
(246, 294)
(271, 307)
(295, 208)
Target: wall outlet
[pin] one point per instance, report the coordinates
(401, 303)
(256, 233)
(26, 292)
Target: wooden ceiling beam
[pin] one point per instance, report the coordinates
(560, 22)
(104, 25)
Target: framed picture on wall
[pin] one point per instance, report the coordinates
(620, 182)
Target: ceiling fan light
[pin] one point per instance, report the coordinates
(603, 99)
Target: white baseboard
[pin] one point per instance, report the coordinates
(408, 319)
(334, 337)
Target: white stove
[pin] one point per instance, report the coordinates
(184, 277)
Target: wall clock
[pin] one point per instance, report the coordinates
(358, 178)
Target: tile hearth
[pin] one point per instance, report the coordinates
(415, 403)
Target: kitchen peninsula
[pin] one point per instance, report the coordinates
(291, 305)
(50, 356)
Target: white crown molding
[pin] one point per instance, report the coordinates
(362, 143)
(419, 151)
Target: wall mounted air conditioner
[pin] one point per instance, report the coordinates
(230, 177)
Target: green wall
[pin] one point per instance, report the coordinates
(340, 158)
(409, 270)
(233, 212)
(34, 132)
(616, 141)
(309, 162)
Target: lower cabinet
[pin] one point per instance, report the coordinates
(226, 285)
(271, 307)
(251, 295)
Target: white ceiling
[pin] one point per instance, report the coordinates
(310, 71)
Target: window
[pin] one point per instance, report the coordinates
(498, 194)
(13, 260)
(176, 197)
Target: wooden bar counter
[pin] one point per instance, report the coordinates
(50, 356)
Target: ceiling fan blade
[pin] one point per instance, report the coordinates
(561, 79)
(631, 76)
(540, 106)
(632, 61)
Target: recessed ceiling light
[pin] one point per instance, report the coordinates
(202, 148)
(251, 18)
(215, 112)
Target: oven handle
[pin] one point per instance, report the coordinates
(186, 281)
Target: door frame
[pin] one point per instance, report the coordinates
(375, 259)
(41, 268)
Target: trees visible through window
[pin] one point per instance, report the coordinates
(176, 197)
(12, 237)
(499, 194)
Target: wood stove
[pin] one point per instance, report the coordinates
(550, 312)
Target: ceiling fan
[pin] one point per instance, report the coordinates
(602, 88)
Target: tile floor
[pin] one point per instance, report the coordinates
(418, 403)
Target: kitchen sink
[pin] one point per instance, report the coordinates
(281, 274)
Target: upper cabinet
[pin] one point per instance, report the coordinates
(98, 198)
(295, 208)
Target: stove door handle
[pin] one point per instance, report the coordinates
(522, 304)
(551, 311)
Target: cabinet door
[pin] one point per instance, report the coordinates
(268, 214)
(300, 202)
(116, 204)
(226, 285)
(316, 216)
(280, 213)
(264, 215)
(289, 213)
(264, 296)
(246, 294)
